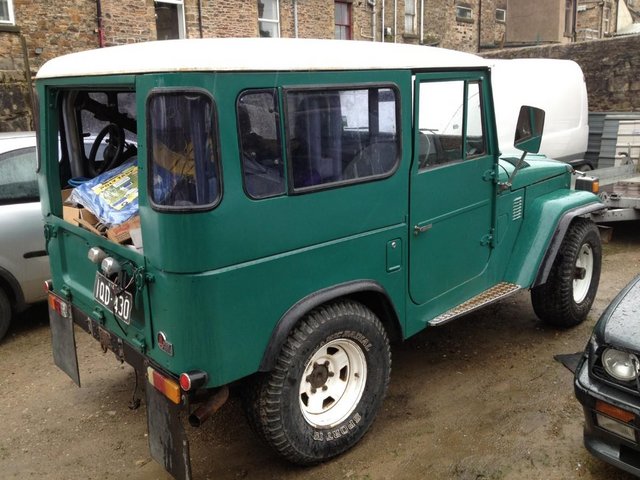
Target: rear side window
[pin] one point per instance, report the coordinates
(184, 172)
(18, 181)
(260, 145)
(341, 135)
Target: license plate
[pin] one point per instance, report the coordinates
(120, 304)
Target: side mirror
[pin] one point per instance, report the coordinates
(529, 129)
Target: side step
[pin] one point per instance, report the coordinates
(495, 293)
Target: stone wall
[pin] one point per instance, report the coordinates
(15, 112)
(611, 69)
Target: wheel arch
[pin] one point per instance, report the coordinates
(558, 236)
(368, 292)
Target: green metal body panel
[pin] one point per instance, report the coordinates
(217, 282)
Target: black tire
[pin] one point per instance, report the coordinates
(555, 302)
(5, 313)
(278, 411)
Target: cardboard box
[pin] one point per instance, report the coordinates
(78, 215)
(122, 233)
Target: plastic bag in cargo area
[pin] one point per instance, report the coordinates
(112, 196)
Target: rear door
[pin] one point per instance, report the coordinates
(452, 191)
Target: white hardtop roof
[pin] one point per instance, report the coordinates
(253, 54)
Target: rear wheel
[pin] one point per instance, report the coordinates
(5, 313)
(566, 298)
(328, 384)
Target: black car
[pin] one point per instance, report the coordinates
(608, 386)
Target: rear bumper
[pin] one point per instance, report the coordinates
(602, 443)
(168, 441)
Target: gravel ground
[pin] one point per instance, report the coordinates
(479, 398)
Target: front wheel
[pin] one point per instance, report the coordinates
(328, 384)
(566, 298)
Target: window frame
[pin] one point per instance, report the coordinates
(413, 16)
(503, 14)
(182, 29)
(349, 25)
(285, 178)
(269, 20)
(292, 190)
(12, 19)
(215, 133)
(464, 18)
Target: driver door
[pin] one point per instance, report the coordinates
(452, 190)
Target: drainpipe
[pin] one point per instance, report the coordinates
(295, 18)
(600, 29)
(479, 24)
(382, 21)
(200, 18)
(395, 21)
(421, 22)
(101, 41)
(373, 19)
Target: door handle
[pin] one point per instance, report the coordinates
(417, 230)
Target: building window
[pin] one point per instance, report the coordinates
(6, 12)
(170, 19)
(464, 13)
(606, 17)
(410, 16)
(501, 15)
(343, 20)
(269, 18)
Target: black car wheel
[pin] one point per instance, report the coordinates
(328, 384)
(566, 298)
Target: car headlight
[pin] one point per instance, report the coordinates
(620, 365)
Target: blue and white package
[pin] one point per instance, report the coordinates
(112, 196)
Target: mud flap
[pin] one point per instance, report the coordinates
(569, 360)
(63, 343)
(168, 442)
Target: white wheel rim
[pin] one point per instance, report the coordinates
(332, 383)
(583, 273)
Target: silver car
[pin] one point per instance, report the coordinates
(24, 264)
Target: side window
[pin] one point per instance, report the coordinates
(260, 145)
(182, 150)
(18, 181)
(341, 135)
(450, 122)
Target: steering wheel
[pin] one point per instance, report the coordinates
(112, 152)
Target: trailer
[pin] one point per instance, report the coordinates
(614, 147)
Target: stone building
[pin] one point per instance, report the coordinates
(34, 31)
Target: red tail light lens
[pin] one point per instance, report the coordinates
(193, 380)
(60, 306)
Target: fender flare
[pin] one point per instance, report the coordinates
(558, 237)
(302, 307)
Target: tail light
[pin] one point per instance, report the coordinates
(59, 306)
(168, 387)
(193, 380)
